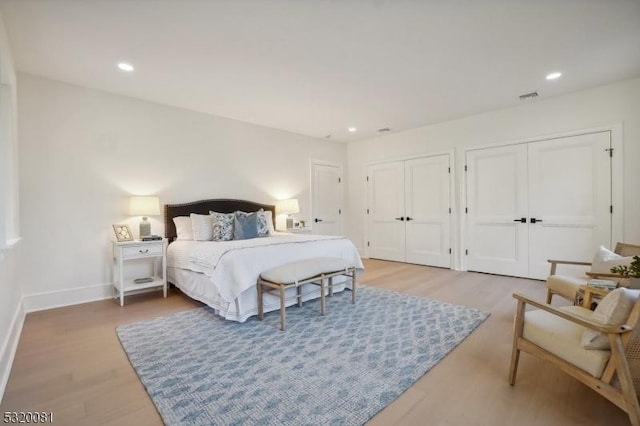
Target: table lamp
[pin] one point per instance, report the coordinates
(288, 207)
(144, 206)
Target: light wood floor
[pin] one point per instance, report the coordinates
(70, 362)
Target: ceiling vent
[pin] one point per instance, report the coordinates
(527, 96)
(385, 130)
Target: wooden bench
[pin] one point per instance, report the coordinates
(296, 274)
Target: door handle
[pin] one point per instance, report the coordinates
(400, 218)
(409, 218)
(316, 220)
(534, 220)
(522, 220)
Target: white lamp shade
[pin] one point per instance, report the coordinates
(144, 206)
(289, 206)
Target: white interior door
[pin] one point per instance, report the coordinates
(326, 202)
(569, 198)
(386, 207)
(427, 209)
(497, 198)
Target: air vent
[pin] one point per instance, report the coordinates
(385, 130)
(328, 137)
(528, 96)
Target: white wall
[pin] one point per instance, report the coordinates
(617, 103)
(11, 313)
(82, 152)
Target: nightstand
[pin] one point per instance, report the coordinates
(125, 254)
(299, 230)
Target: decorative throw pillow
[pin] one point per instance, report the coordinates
(222, 226)
(201, 227)
(245, 225)
(605, 259)
(614, 309)
(183, 228)
(264, 220)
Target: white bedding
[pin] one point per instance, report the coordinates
(232, 268)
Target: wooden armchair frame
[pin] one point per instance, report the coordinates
(620, 339)
(623, 249)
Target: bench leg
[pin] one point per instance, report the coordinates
(299, 290)
(330, 286)
(322, 301)
(260, 306)
(283, 310)
(353, 286)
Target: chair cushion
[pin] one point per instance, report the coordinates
(565, 285)
(614, 309)
(563, 338)
(303, 269)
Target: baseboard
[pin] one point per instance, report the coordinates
(9, 347)
(66, 297)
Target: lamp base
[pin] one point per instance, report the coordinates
(145, 228)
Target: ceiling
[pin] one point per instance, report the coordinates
(319, 67)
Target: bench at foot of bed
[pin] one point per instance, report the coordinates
(296, 274)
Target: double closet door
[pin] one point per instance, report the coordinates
(409, 211)
(542, 200)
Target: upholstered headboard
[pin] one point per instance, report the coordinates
(204, 206)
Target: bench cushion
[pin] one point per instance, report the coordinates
(303, 269)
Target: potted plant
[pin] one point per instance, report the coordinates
(632, 272)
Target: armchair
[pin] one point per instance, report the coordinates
(556, 335)
(566, 286)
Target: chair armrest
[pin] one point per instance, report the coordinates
(608, 329)
(568, 262)
(603, 274)
(555, 263)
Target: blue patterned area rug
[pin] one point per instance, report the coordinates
(340, 369)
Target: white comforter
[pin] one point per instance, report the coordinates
(234, 266)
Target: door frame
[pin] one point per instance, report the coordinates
(453, 229)
(617, 179)
(312, 164)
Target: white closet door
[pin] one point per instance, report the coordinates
(326, 203)
(496, 198)
(386, 207)
(569, 198)
(427, 202)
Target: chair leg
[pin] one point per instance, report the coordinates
(515, 352)
(549, 296)
(624, 376)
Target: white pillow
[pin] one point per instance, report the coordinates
(605, 259)
(614, 309)
(202, 227)
(183, 228)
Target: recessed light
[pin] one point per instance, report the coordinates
(352, 129)
(125, 67)
(554, 75)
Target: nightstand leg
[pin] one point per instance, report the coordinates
(121, 283)
(164, 269)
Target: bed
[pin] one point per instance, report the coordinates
(223, 274)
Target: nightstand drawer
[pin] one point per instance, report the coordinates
(141, 251)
